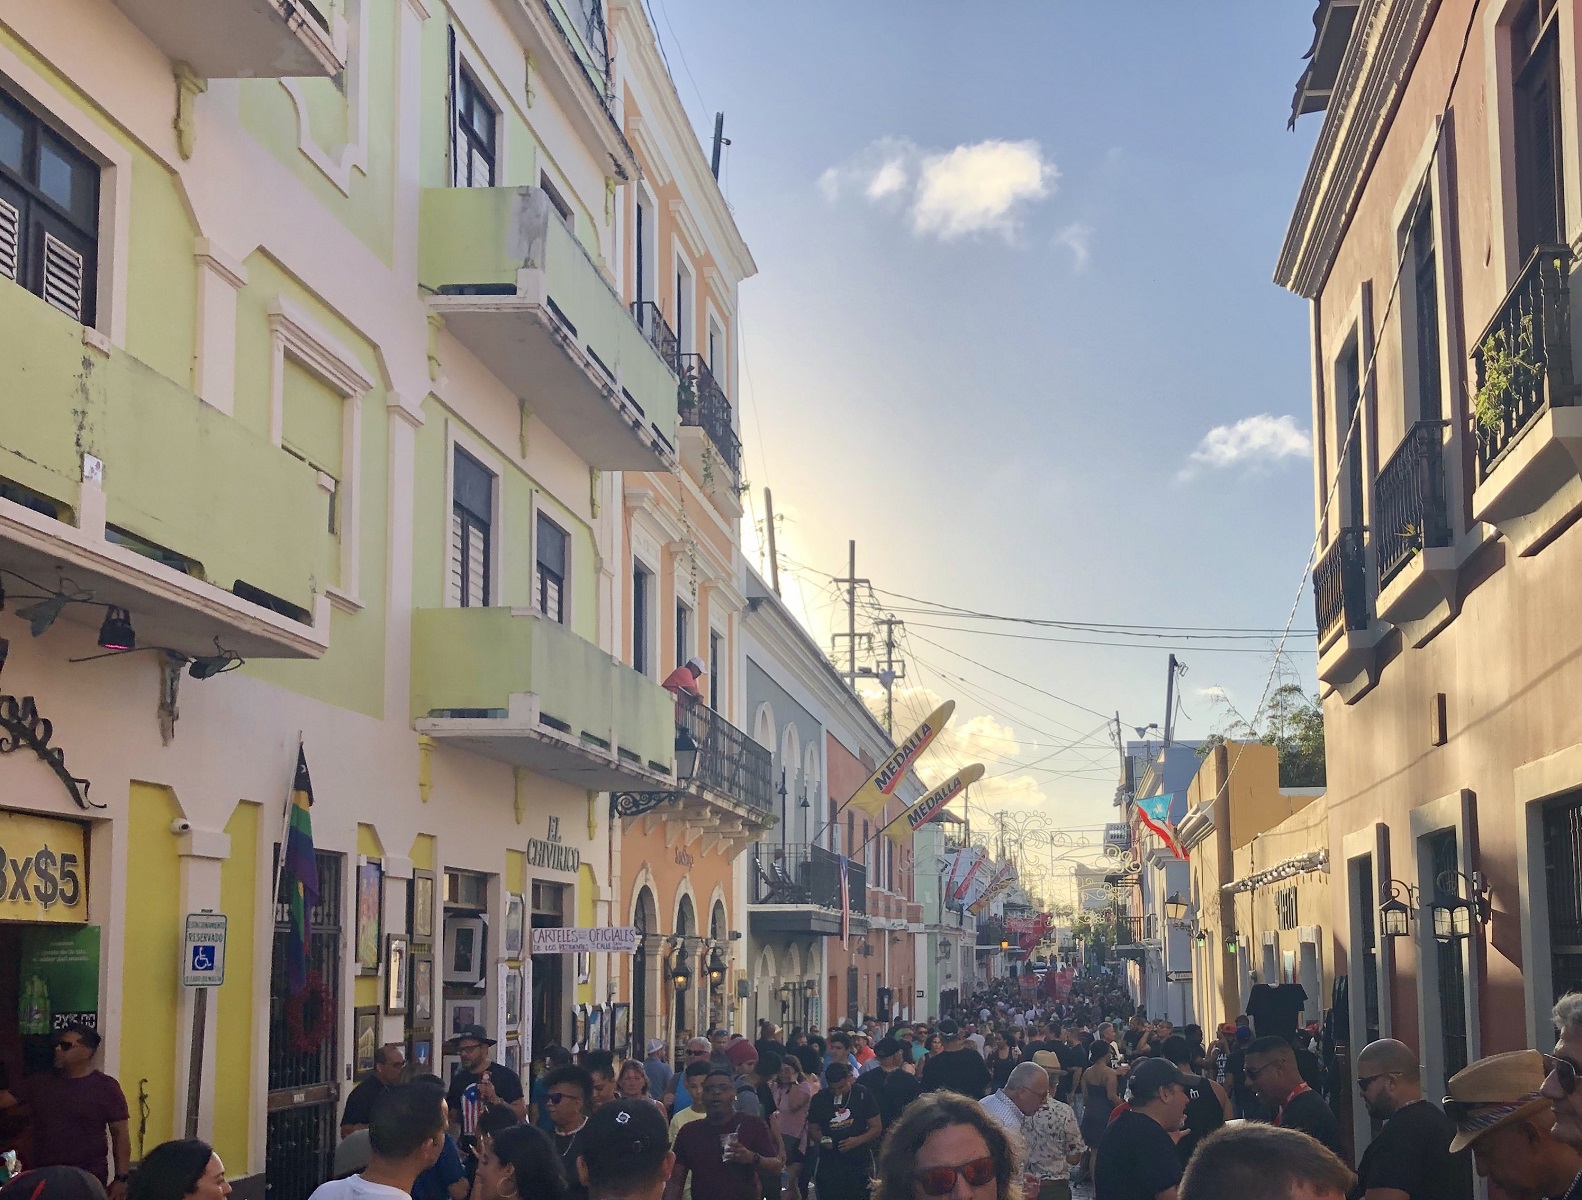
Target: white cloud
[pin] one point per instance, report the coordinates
(1252, 441)
(1076, 238)
(984, 187)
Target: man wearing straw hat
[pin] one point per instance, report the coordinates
(1500, 1113)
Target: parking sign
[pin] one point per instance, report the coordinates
(203, 951)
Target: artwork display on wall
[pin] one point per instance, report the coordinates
(515, 921)
(513, 998)
(370, 903)
(396, 978)
(461, 1013)
(595, 1038)
(464, 950)
(621, 1029)
(423, 906)
(365, 1037)
(421, 1004)
(422, 1054)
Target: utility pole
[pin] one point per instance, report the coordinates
(891, 670)
(851, 581)
(1170, 697)
(769, 530)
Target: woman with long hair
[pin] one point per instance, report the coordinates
(520, 1161)
(941, 1141)
(632, 1083)
(1002, 1059)
(1100, 1097)
(178, 1169)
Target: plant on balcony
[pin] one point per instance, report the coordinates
(1501, 362)
(687, 391)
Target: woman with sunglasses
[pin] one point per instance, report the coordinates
(945, 1145)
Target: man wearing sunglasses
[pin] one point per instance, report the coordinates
(1560, 1080)
(568, 1092)
(680, 1098)
(74, 1108)
(1410, 1159)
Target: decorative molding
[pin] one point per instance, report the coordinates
(189, 86)
(231, 270)
(1372, 78)
(655, 169)
(688, 228)
(338, 165)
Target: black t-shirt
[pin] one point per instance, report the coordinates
(465, 1103)
(1136, 1160)
(1204, 1114)
(1072, 1058)
(961, 1071)
(839, 1118)
(896, 1090)
(1310, 1114)
(1276, 1010)
(569, 1147)
(361, 1101)
(1412, 1155)
(1000, 1068)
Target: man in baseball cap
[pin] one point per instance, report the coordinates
(1500, 1113)
(1136, 1157)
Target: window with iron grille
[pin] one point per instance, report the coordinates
(473, 157)
(550, 570)
(1452, 975)
(1348, 384)
(49, 213)
(1540, 181)
(1425, 279)
(1563, 884)
(471, 515)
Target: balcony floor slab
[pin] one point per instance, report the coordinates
(1535, 492)
(1349, 664)
(520, 741)
(237, 39)
(1422, 597)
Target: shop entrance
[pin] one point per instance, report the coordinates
(549, 1013)
(304, 1047)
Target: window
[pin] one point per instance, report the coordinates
(562, 209)
(472, 511)
(683, 308)
(49, 213)
(473, 149)
(550, 577)
(1563, 882)
(1365, 898)
(714, 670)
(1452, 986)
(683, 633)
(644, 281)
(1425, 278)
(1540, 183)
(640, 604)
(716, 348)
(1348, 383)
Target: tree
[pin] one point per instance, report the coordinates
(1291, 721)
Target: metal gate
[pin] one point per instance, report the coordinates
(1563, 880)
(1452, 974)
(1368, 899)
(304, 1089)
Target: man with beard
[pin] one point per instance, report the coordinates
(1410, 1159)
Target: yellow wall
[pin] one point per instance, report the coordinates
(234, 1032)
(423, 852)
(148, 1010)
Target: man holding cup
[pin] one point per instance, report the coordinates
(726, 1150)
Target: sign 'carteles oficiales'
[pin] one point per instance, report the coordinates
(611, 939)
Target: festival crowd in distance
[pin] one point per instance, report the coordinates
(1004, 1098)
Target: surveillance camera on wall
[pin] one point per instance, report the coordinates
(181, 825)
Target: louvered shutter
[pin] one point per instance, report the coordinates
(10, 239)
(63, 277)
(458, 556)
(477, 567)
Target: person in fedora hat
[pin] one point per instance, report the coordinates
(1499, 1111)
(479, 1084)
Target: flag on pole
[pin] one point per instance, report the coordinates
(872, 796)
(845, 903)
(299, 877)
(1154, 812)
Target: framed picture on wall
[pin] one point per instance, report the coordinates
(513, 1056)
(515, 920)
(579, 1027)
(422, 1054)
(461, 1013)
(596, 1028)
(370, 902)
(464, 950)
(422, 906)
(501, 973)
(365, 1037)
(421, 1002)
(513, 998)
(621, 1029)
(396, 978)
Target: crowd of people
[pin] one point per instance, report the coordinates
(1001, 1099)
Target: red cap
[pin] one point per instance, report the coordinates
(1228, 1029)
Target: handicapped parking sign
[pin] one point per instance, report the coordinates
(203, 950)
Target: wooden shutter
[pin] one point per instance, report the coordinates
(64, 277)
(10, 239)
(454, 106)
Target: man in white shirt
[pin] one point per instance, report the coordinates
(1024, 1094)
(406, 1132)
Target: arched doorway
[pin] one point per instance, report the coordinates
(645, 1009)
(687, 931)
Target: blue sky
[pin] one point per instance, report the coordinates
(1013, 272)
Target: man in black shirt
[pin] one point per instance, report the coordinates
(896, 1088)
(389, 1065)
(1271, 1071)
(1411, 1156)
(1136, 1158)
(844, 1123)
(479, 1084)
(956, 1068)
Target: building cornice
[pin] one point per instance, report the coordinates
(1372, 77)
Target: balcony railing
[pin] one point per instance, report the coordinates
(654, 326)
(799, 873)
(704, 405)
(1523, 359)
(729, 761)
(1409, 499)
(1126, 931)
(1340, 585)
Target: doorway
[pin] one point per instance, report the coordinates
(549, 970)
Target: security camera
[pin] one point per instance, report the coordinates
(181, 825)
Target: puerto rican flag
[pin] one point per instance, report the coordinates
(1154, 812)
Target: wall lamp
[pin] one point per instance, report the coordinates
(1397, 900)
(635, 804)
(681, 978)
(1453, 911)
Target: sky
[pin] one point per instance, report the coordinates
(1014, 332)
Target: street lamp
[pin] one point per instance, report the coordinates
(1176, 907)
(681, 978)
(635, 804)
(1395, 916)
(716, 974)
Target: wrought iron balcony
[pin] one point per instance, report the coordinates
(1340, 585)
(729, 762)
(1126, 931)
(804, 874)
(654, 326)
(1523, 359)
(703, 404)
(1409, 500)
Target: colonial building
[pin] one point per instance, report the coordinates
(322, 403)
(1432, 237)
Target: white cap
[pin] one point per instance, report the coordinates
(695, 664)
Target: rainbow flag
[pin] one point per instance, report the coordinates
(299, 876)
